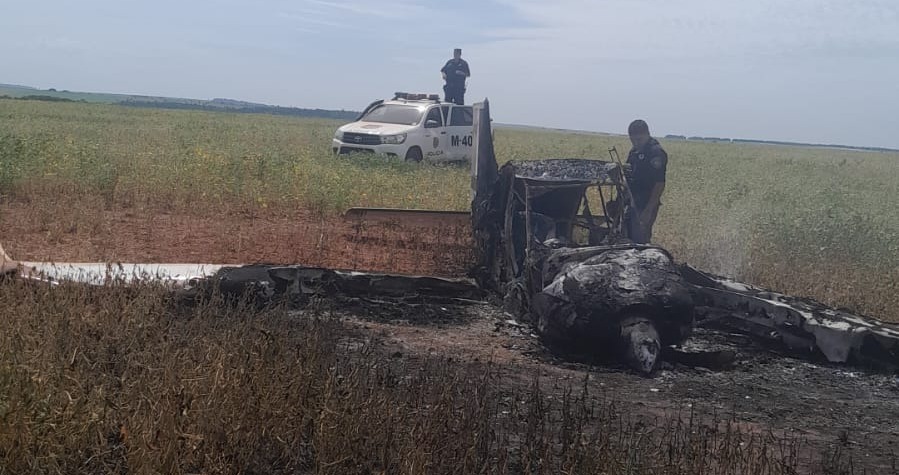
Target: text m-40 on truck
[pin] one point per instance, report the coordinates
(414, 127)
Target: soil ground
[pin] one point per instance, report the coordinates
(422, 248)
(829, 406)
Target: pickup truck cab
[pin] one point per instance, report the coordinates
(414, 127)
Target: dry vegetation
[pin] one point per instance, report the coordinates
(117, 380)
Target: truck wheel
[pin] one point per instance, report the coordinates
(413, 155)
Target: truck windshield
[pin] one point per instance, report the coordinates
(394, 114)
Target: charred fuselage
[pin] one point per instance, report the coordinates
(552, 239)
(628, 302)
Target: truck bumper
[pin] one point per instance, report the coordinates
(391, 150)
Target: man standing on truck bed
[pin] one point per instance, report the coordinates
(455, 72)
(648, 163)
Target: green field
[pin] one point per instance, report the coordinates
(14, 91)
(19, 91)
(814, 222)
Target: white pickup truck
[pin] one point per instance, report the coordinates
(414, 127)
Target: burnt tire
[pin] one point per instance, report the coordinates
(414, 155)
(640, 344)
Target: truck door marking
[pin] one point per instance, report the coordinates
(464, 140)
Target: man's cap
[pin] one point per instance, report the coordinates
(638, 127)
(457, 50)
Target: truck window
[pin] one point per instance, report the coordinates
(434, 114)
(462, 116)
(446, 112)
(394, 114)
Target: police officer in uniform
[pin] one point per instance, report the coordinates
(455, 72)
(648, 163)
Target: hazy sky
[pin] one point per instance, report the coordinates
(803, 70)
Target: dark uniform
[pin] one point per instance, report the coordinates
(648, 166)
(454, 89)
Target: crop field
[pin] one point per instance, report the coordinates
(813, 222)
(120, 380)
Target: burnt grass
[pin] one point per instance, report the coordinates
(126, 380)
(413, 311)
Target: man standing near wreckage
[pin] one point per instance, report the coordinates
(648, 163)
(455, 72)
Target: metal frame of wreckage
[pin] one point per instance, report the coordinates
(802, 325)
(563, 224)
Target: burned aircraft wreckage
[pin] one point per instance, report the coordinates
(551, 238)
(551, 243)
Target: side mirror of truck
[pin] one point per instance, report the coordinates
(431, 124)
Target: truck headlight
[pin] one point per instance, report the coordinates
(338, 135)
(393, 139)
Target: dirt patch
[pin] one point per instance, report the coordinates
(89, 233)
